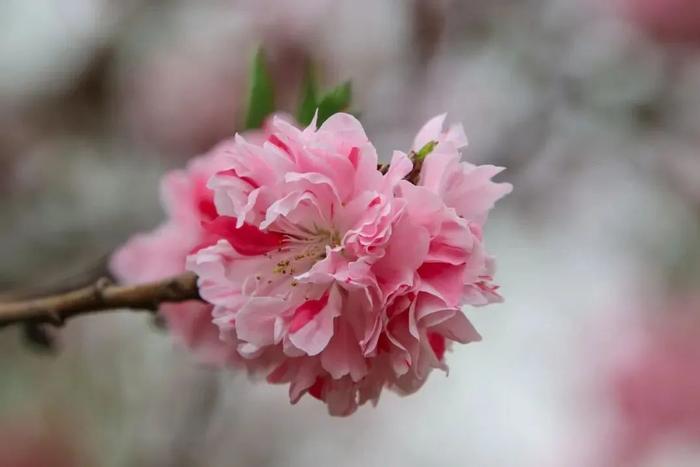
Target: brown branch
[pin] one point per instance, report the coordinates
(414, 175)
(100, 296)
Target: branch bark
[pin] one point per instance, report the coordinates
(98, 297)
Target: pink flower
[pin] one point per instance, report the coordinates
(336, 278)
(159, 254)
(655, 383)
(671, 21)
(30, 444)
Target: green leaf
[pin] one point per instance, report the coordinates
(336, 100)
(309, 101)
(261, 102)
(425, 150)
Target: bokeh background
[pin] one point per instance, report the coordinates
(592, 105)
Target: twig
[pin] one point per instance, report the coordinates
(100, 296)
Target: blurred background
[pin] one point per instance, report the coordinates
(592, 105)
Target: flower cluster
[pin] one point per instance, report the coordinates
(331, 274)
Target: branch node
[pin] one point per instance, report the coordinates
(55, 318)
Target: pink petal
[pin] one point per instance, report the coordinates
(342, 356)
(247, 239)
(306, 312)
(458, 328)
(472, 192)
(443, 280)
(255, 322)
(316, 332)
(430, 132)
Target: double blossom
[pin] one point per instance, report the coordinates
(332, 275)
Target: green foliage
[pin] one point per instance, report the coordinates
(309, 98)
(261, 102)
(336, 100)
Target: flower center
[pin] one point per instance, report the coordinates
(305, 249)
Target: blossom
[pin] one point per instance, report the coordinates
(28, 444)
(336, 278)
(160, 254)
(654, 384)
(670, 21)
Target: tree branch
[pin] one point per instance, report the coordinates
(100, 296)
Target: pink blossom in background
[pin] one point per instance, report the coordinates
(655, 383)
(28, 445)
(340, 280)
(672, 21)
(181, 100)
(287, 21)
(161, 253)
